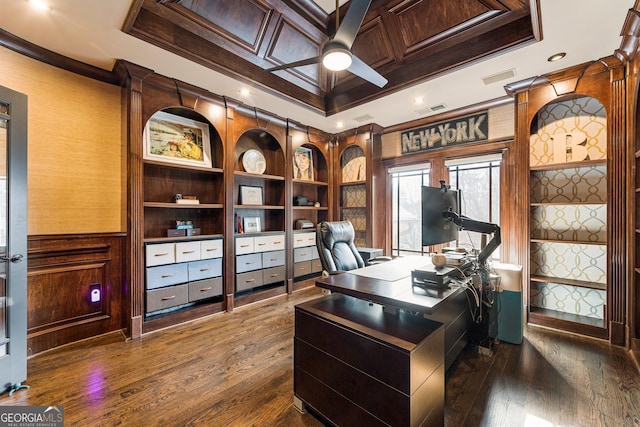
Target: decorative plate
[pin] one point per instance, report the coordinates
(253, 161)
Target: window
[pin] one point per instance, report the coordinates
(406, 184)
(478, 179)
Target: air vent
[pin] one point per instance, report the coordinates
(431, 109)
(365, 118)
(503, 75)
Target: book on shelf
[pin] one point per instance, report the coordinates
(188, 201)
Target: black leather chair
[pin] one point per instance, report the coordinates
(336, 248)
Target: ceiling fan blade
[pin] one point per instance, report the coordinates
(364, 71)
(350, 25)
(300, 63)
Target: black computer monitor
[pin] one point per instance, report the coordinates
(437, 229)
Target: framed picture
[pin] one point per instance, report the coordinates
(175, 139)
(251, 195)
(251, 224)
(303, 164)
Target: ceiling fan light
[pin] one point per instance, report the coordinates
(337, 59)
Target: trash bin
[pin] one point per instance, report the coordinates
(509, 304)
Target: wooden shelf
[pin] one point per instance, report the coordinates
(263, 207)
(352, 183)
(314, 183)
(539, 315)
(310, 208)
(181, 238)
(539, 204)
(259, 176)
(259, 233)
(163, 205)
(569, 282)
(568, 242)
(571, 165)
(183, 167)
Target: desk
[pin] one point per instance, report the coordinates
(348, 348)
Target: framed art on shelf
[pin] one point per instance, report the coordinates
(175, 139)
(303, 164)
(251, 195)
(252, 224)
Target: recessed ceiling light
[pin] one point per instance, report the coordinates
(339, 125)
(557, 57)
(245, 92)
(418, 100)
(40, 5)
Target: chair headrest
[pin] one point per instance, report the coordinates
(335, 232)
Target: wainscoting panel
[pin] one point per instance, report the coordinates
(64, 272)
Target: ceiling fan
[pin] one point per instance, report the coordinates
(336, 55)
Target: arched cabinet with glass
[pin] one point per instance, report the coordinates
(311, 200)
(259, 215)
(183, 215)
(354, 191)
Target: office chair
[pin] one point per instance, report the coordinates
(336, 249)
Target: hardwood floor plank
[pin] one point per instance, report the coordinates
(236, 369)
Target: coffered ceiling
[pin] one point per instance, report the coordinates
(451, 54)
(406, 41)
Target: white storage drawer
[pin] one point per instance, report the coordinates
(302, 254)
(160, 254)
(248, 262)
(262, 243)
(245, 245)
(205, 289)
(273, 259)
(187, 251)
(304, 239)
(166, 275)
(211, 249)
(167, 297)
(277, 242)
(205, 269)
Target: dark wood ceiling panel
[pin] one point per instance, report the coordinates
(241, 21)
(291, 44)
(406, 41)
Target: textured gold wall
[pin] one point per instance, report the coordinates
(76, 153)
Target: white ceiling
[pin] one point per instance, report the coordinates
(89, 31)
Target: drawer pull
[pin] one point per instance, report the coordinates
(168, 298)
(273, 259)
(277, 243)
(244, 246)
(188, 252)
(248, 263)
(205, 269)
(299, 240)
(249, 280)
(164, 276)
(162, 254)
(262, 244)
(275, 275)
(303, 254)
(211, 249)
(205, 289)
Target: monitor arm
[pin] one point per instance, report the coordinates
(465, 223)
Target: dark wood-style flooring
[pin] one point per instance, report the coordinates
(236, 369)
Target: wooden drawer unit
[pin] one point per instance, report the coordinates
(316, 266)
(248, 262)
(273, 275)
(357, 365)
(160, 254)
(273, 259)
(211, 249)
(307, 238)
(207, 288)
(167, 297)
(166, 275)
(205, 269)
(250, 280)
(302, 268)
(187, 251)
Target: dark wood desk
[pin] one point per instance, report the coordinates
(348, 348)
(389, 284)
